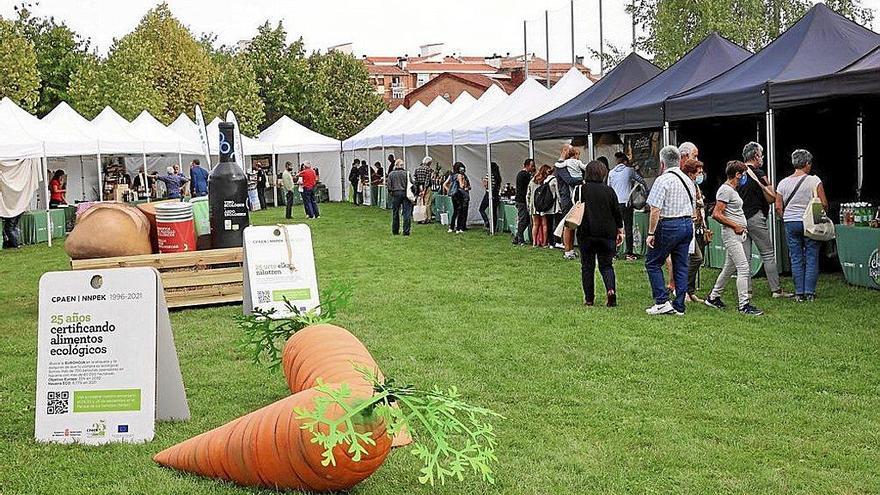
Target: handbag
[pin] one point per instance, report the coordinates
(420, 211)
(575, 215)
(817, 225)
(638, 197)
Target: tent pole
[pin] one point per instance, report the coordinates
(82, 178)
(489, 183)
(45, 192)
(426, 143)
(590, 152)
(146, 177)
(770, 157)
(665, 133)
(100, 178)
(453, 148)
(573, 59)
(860, 171)
(275, 175)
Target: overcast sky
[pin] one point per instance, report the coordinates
(471, 27)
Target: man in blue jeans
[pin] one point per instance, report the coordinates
(670, 232)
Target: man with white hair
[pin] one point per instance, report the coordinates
(687, 151)
(422, 181)
(174, 182)
(757, 195)
(670, 232)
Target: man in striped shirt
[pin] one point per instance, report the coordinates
(670, 232)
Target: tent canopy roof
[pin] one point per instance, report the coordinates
(821, 42)
(642, 108)
(445, 131)
(862, 77)
(68, 133)
(288, 136)
(570, 119)
(18, 140)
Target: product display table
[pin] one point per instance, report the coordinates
(640, 231)
(507, 214)
(859, 252)
(442, 204)
(34, 225)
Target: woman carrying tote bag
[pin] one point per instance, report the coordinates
(795, 195)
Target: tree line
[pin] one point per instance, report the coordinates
(163, 68)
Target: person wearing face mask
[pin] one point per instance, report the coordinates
(729, 213)
(757, 195)
(701, 233)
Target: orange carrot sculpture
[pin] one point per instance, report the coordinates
(337, 427)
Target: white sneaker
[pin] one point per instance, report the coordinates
(560, 245)
(450, 231)
(459, 231)
(570, 255)
(661, 309)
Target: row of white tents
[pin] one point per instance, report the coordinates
(476, 132)
(66, 140)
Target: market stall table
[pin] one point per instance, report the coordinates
(640, 228)
(34, 225)
(442, 204)
(859, 252)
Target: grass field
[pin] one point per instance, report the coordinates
(597, 400)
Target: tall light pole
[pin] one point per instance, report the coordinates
(573, 60)
(633, 6)
(525, 50)
(547, 42)
(601, 43)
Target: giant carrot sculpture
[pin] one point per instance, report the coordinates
(335, 430)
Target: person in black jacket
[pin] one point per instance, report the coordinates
(600, 232)
(354, 180)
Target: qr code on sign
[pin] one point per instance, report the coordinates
(264, 297)
(58, 402)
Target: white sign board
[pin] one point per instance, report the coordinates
(279, 264)
(107, 367)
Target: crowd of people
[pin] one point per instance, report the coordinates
(595, 204)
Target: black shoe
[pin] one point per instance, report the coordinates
(748, 309)
(714, 302)
(611, 297)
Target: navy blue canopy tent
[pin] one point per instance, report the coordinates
(862, 77)
(570, 119)
(642, 108)
(821, 42)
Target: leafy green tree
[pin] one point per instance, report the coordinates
(675, 26)
(59, 52)
(348, 101)
(19, 77)
(179, 66)
(122, 82)
(283, 75)
(235, 87)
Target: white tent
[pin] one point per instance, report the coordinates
(159, 139)
(359, 140)
(286, 137)
(18, 128)
(392, 135)
(444, 132)
(115, 135)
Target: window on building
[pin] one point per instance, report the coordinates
(422, 79)
(395, 81)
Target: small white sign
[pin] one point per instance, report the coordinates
(107, 367)
(279, 264)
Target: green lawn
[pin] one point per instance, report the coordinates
(597, 400)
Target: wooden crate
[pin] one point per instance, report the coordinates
(190, 279)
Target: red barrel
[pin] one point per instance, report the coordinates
(175, 228)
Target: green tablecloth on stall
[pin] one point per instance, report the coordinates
(640, 229)
(859, 252)
(34, 226)
(508, 214)
(442, 204)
